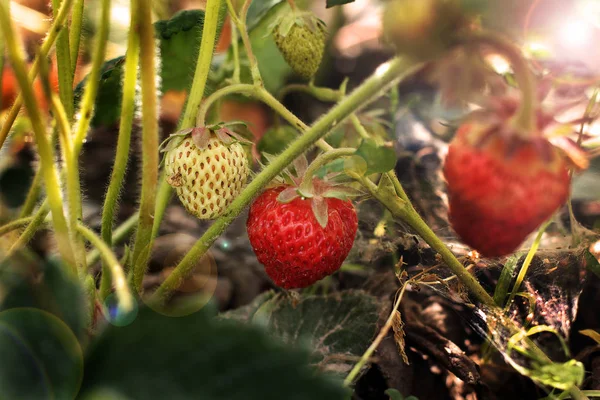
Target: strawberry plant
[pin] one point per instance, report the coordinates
(302, 256)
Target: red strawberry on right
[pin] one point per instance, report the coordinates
(502, 183)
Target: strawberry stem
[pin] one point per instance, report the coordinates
(123, 143)
(306, 186)
(207, 45)
(45, 149)
(143, 238)
(525, 117)
(124, 296)
(240, 23)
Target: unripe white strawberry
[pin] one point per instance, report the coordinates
(206, 178)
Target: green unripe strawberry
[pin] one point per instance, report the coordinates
(207, 171)
(300, 38)
(423, 29)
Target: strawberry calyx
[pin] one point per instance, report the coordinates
(306, 186)
(201, 135)
(286, 22)
(495, 121)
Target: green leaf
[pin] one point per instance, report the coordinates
(336, 327)
(592, 334)
(179, 44)
(41, 357)
(591, 263)
(379, 159)
(107, 109)
(44, 285)
(197, 356)
(333, 3)
(394, 394)
(506, 277)
(179, 41)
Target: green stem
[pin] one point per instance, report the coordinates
(306, 184)
(526, 264)
(263, 95)
(45, 151)
(150, 141)
(126, 301)
(75, 34)
(240, 23)
(360, 97)
(207, 46)
(236, 54)
(382, 334)
(72, 182)
(124, 141)
(32, 195)
(93, 79)
(36, 222)
(55, 28)
(525, 117)
(14, 225)
(163, 196)
(121, 233)
(319, 93)
(404, 211)
(358, 126)
(63, 58)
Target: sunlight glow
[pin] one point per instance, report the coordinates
(575, 34)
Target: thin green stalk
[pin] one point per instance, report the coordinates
(32, 195)
(14, 225)
(240, 23)
(75, 34)
(319, 93)
(37, 220)
(55, 28)
(526, 264)
(207, 46)
(404, 210)
(124, 141)
(121, 233)
(71, 171)
(236, 54)
(143, 238)
(358, 126)
(163, 196)
(86, 110)
(263, 95)
(63, 63)
(45, 151)
(360, 97)
(382, 334)
(93, 79)
(124, 296)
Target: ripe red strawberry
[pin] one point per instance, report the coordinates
(294, 248)
(501, 187)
